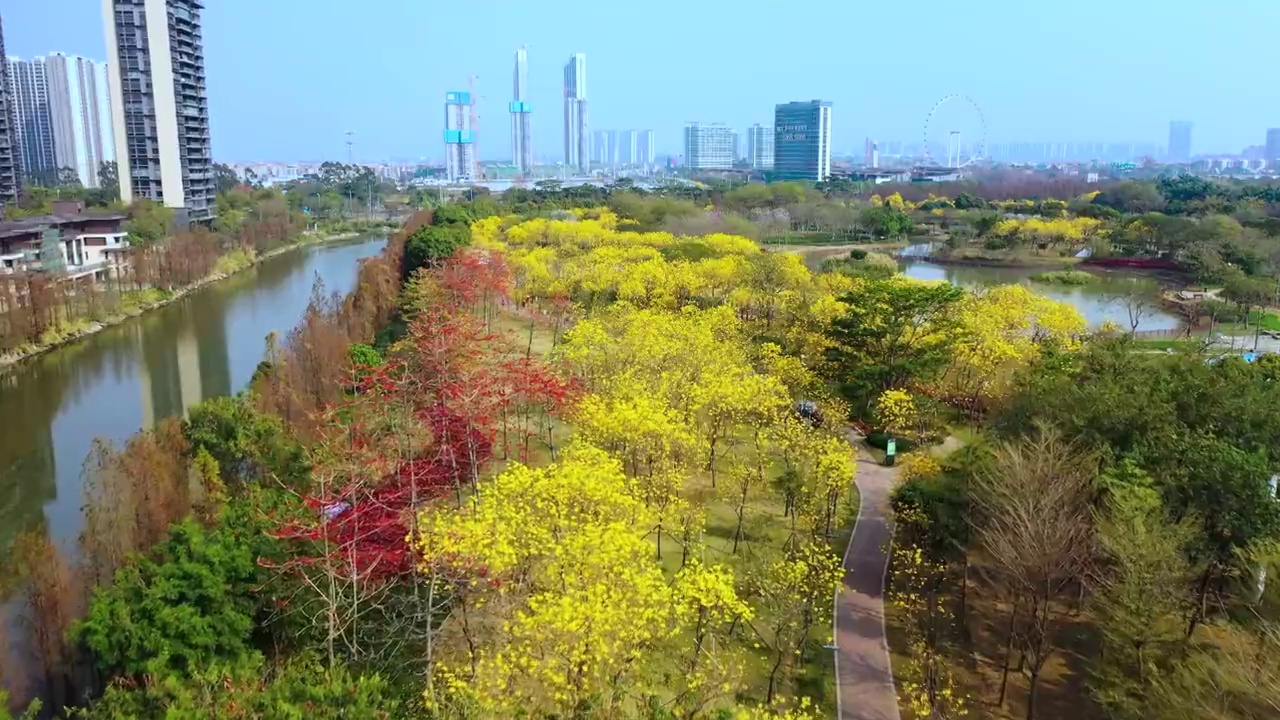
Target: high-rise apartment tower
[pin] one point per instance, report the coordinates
(760, 147)
(79, 110)
(577, 144)
(628, 147)
(33, 129)
(159, 108)
(1180, 141)
(10, 169)
(708, 146)
(802, 140)
(521, 132)
(459, 137)
(647, 150)
(1272, 151)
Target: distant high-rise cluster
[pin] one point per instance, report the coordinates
(645, 148)
(1180, 141)
(159, 107)
(602, 149)
(708, 146)
(1271, 153)
(760, 147)
(63, 117)
(627, 147)
(802, 140)
(459, 137)
(521, 133)
(576, 141)
(33, 129)
(10, 170)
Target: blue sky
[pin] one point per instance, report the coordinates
(288, 77)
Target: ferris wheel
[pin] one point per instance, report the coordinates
(955, 129)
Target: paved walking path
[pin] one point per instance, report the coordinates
(864, 680)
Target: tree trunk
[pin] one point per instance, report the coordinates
(773, 678)
(1197, 613)
(1033, 693)
(1008, 655)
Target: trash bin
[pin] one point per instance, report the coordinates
(890, 452)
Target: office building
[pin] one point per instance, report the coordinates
(459, 138)
(576, 141)
(737, 147)
(78, 110)
(159, 109)
(1272, 151)
(708, 146)
(10, 168)
(1180, 141)
(802, 140)
(646, 150)
(33, 129)
(627, 146)
(521, 132)
(760, 147)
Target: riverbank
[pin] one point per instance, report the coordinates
(139, 302)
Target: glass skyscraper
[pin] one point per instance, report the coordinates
(802, 140)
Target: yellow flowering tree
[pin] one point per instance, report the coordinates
(1005, 328)
(561, 568)
(793, 593)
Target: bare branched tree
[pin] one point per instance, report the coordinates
(1036, 527)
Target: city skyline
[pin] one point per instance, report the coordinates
(310, 124)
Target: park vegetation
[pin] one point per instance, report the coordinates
(586, 453)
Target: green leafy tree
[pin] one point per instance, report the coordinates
(1143, 591)
(224, 178)
(886, 222)
(430, 244)
(149, 222)
(109, 179)
(1132, 196)
(183, 608)
(894, 332)
(247, 444)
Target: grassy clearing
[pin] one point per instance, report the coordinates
(1264, 319)
(1066, 277)
(133, 302)
(807, 237)
(234, 261)
(1020, 257)
(1164, 344)
(64, 331)
(526, 334)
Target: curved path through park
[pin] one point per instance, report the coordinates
(864, 678)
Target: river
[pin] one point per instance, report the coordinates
(114, 382)
(1096, 302)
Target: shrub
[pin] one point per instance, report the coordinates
(184, 608)
(246, 689)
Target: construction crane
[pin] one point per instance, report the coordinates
(475, 127)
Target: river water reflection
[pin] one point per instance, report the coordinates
(124, 378)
